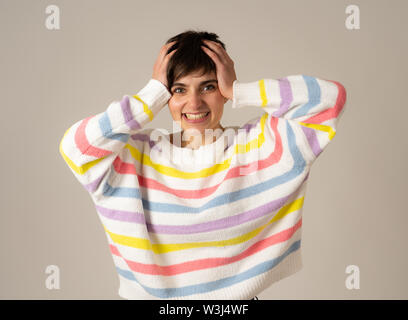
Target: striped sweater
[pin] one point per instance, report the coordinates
(179, 227)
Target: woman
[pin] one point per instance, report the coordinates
(198, 97)
(226, 229)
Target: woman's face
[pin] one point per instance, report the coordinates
(196, 94)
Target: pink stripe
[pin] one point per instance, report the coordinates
(129, 168)
(331, 112)
(208, 263)
(84, 146)
(324, 116)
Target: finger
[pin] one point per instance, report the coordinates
(211, 45)
(166, 47)
(208, 51)
(217, 47)
(212, 42)
(171, 43)
(168, 56)
(214, 56)
(214, 45)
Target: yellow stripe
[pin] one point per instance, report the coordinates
(169, 171)
(78, 169)
(84, 168)
(129, 241)
(262, 92)
(145, 108)
(320, 127)
(157, 248)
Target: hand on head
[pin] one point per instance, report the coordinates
(225, 67)
(160, 66)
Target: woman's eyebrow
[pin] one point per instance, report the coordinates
(201, 83)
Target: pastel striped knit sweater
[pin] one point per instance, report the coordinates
(199, 230)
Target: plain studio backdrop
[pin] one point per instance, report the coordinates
(354, 212)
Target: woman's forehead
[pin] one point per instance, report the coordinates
(197, 76)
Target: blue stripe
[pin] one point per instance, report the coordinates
(314, 97)
(212, 285)
(106, 128)
(297, 169)
(123, 192)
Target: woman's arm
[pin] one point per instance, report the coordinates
(313, 105)
(91, 145)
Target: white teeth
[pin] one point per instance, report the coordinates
(196, 116)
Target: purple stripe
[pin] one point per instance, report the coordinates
(127, 216)
(224, 223)
(91, 187)
(127, 114)
(312, 139)
(144, 137)
(140, 137)
(249, 126)
(286, 95)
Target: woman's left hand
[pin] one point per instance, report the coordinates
(225, 67)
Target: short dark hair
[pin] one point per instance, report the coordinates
(189, 56)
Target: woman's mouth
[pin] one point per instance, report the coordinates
(196, 118)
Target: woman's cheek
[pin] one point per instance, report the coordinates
(175, 109)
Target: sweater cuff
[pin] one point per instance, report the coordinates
(155, 95)
(261, 93)
(245, 94)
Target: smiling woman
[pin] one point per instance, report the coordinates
(196, 102)
(227, 229)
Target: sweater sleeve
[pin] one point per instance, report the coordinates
(312, 106)
(90, 146)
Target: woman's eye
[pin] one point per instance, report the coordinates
(175, 90)
(209, 86)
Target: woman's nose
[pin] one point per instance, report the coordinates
(194, 99)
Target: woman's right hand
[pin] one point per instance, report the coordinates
(160, 66)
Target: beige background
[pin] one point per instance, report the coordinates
(354, 210)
